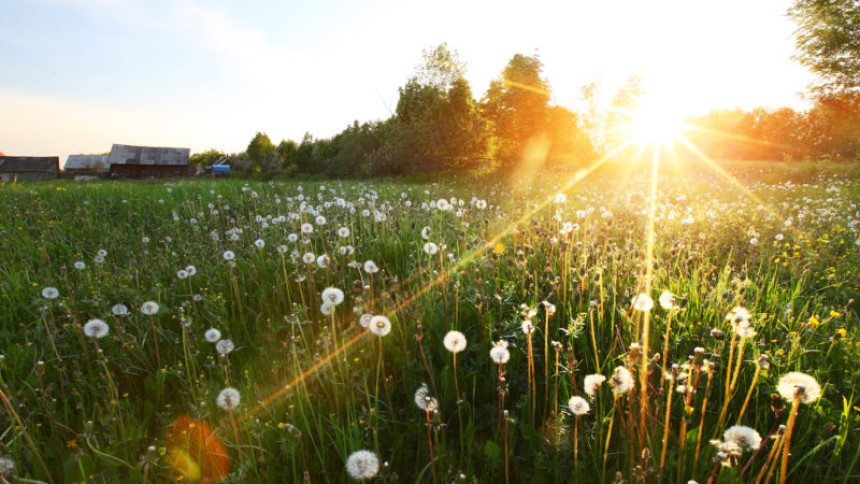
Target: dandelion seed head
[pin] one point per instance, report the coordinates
(362, 464)
(364, 320)
(229, 255)
(424, 401)
(621, 381)
(323, 261)
(454, 341)
(149, 308)
(50, 293)
(592, 383)
(7, 466)
(212, 335)
(643, 302)
(228, 399)
(224, 347)
(746, 438)
(667, 300)
(795, 384)
(80, 265)
(96, 328)
(370, 267)
(578, 405)
(119, 309)
(499, 352)
(430, 248)
(380, 325)
(332, 295)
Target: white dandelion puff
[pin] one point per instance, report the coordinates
(228, 399)
(643, 302)
(454, 341)
(332, 295)
(212, 335)
(795, 384)
(621, 381)
(96, 329)
(746, 438)
(50, 293)
(149, 308)
(667, 300)
(225, 347)
(362, 464)
(578, 405)
(380, 325)
(499, 352)
(592, 383)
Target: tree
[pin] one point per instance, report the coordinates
(438, 126)
(260, 149)
(623, 110)
(206, 158)
(517, 106)
(828, 38)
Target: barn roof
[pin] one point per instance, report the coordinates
(148, 155)
(29, 163)
(86, 162)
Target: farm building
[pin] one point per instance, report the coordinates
(126, 161)
(86, 164)
(16, 168)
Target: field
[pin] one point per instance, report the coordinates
(248, 369)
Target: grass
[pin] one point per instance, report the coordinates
(140, 403)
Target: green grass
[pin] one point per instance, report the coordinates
(316, 388)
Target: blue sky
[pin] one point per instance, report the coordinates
(79, 75)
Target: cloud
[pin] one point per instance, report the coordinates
(243, 49)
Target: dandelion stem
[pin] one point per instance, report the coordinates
(594, 341)
(728, 391)
(795, 405)
(738, 364)
(749, 393)
(608, 439)
(666, 429)
(701, 424)
(777, 445)
(666, 348)
(29, 440)
(430, 441)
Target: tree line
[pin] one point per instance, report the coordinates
(439, 126)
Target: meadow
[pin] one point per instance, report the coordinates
(610, 326)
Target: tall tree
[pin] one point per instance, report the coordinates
(438, 126)
(828, 38)
(260, 149)
(517, 106)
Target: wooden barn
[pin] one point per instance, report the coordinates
(86, 164)
(126, 161)
(17, 168)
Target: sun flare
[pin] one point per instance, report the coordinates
(655, 123)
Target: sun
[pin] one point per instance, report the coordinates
(655, 122)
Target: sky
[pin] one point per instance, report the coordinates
(77, 76)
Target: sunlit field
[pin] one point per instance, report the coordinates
(611, 326)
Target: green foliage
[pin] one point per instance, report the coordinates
(206, 158)
(260, 150)
(829, 130)
(827, 33)
(517, 106)
(317, 387)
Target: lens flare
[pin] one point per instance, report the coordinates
(196, 453)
